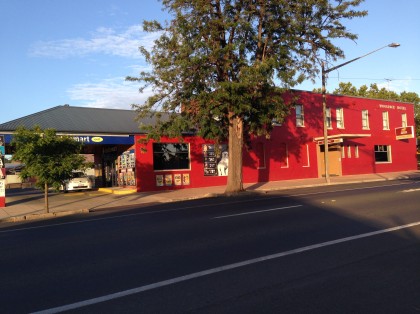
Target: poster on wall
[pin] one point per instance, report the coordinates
(2, 188)
(216, 160)
(159, 180)
(177, 179)
(186, 179)
(168, 179)
(2, 161)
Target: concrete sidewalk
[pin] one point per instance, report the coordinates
(27, 205)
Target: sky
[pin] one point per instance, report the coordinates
(79, 52)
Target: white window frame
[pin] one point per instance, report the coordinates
(365, 119)
(300, 117)
(348, 151)
(328, 118)
(174, 152)
(307, 157)
(385, 120)
(356, 151)
(381, 149)
(404, 120)
(340, 118)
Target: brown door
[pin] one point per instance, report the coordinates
(334, 160)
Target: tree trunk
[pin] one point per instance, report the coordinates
(234, 182)
(47, 209)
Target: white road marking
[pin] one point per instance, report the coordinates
(351, 189)
(211, 271)
(198, 206)
(256, 212)
(411, 190)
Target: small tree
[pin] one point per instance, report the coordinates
(48, 157)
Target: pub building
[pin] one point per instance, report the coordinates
(364, 136)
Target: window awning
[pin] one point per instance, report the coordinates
(337, 138)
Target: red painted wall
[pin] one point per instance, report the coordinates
(291, 153)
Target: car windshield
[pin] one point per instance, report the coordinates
(78, 175)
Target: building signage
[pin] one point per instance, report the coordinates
(2, 188)
(215, 161)
(89, 139)
(97, 139)
(330, 141)
(404, 133)
(2, 153)
(392, 107)
(2, 173)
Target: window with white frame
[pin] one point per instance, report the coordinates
(171, 156)
(365, 120)
(348, 151)
(305, 155)
(328, 117)
(299, 116)
(356, 151)
(404, 120)
(382, 153)
(385, 120)
(340, 118)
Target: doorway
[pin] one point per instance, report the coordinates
(334, 160)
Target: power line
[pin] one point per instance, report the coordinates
(372, 79)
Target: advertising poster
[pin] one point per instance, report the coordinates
(168, 179)
(159, 180)
(216, 160)
(186, 179)
(178, 179)
(2, 188)
(2, 161)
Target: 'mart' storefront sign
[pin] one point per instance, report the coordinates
(93, 139)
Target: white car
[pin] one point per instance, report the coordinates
(79, 181)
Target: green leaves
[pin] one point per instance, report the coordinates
(220, 66)
(47, 156)
(222, 56)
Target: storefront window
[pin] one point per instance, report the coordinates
(171, 156)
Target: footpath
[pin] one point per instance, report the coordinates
(28, 204)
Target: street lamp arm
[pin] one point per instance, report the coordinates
(393, 45)
(324, 103)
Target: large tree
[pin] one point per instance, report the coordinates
(48, 157)
(219, 66)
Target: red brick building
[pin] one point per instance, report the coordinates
(364, 135)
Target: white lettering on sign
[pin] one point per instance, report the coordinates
(392, 107)
(83, 139)
(387, 106)
(2, 188)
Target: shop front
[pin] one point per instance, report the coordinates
(113, 158)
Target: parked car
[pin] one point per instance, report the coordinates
(79, 181)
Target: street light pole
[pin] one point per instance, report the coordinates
(324, 73)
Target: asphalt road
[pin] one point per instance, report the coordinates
(336, 249)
